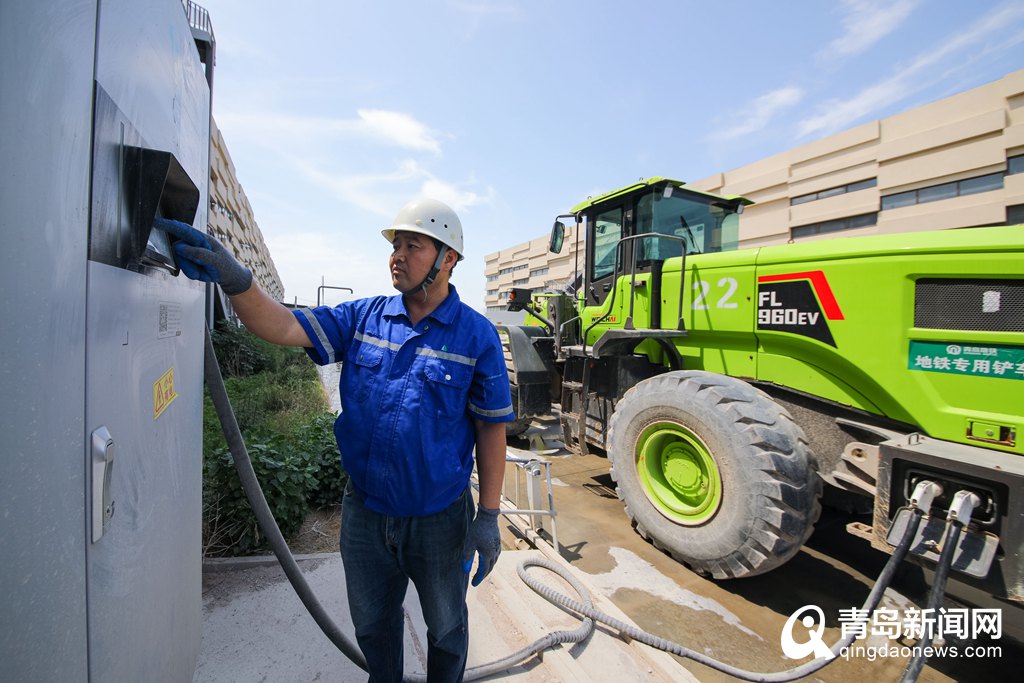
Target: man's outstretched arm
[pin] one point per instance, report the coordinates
(268, 319)
(203, 258)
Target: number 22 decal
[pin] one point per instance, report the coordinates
(725, 301)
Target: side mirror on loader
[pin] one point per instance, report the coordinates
(518, 299)
(557, 236)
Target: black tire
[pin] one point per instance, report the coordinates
(767, 481)
(518, 426)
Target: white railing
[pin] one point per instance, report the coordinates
(529, 475)
(198, 17)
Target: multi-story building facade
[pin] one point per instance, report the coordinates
(529, 265)
(957, 162)
(231, 220)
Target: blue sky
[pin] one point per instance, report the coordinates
(336, 113)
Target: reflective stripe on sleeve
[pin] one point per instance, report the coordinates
(320, 335)
(490, 413)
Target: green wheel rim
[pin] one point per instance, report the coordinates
(678, 473)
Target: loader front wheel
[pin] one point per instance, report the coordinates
(714, 472)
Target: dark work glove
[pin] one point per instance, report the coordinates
(483, 538)
(202, 257)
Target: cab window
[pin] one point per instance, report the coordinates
(607, 233)
(704, 224)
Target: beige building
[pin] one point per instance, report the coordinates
(231, 220)
(529, 265)
(954, 163)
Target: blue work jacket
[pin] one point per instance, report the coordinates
(409, 395)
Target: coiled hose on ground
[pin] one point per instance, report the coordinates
(583, 607)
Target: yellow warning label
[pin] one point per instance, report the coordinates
(163, 393)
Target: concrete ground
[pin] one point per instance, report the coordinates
(256, 629)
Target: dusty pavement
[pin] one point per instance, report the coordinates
(738, 621)
(255, 629)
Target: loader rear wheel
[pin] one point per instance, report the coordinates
(714, 472)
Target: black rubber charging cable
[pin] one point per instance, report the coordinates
(258, 502)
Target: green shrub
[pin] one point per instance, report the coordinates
(286, 477)
(239, 353)
(283, 415)
(317, 439)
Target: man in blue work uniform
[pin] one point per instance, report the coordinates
(423, 381)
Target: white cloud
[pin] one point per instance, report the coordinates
(378, 193)
(758, 113)
(391, 128)
(925, 70)
(866, 22)
(399, 129)
(836, 115)
(453, 196)
(383, 193)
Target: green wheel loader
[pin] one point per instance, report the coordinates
(735, 389)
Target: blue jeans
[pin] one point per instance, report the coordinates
(380, 554)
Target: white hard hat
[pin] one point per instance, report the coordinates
(431, 218)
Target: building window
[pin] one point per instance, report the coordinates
(937, 192)
(833, 191)
(538, 271)
(492, 278)
(1015, 214)
(836, 225)
(491, 292)
(1015, 165)
(512, 269)
(985, 183)
(896, 201)
(521, 282)
(933, 193)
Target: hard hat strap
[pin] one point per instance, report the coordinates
(432, 275)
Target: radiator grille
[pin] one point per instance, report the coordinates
(980, 305)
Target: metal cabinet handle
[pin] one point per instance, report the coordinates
(102, 468)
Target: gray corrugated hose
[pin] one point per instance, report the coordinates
(584, 607)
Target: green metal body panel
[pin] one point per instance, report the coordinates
(851, 339)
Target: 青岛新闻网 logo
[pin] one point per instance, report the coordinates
(815, 630)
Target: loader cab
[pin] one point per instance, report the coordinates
(706, 224)
(675, 217)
